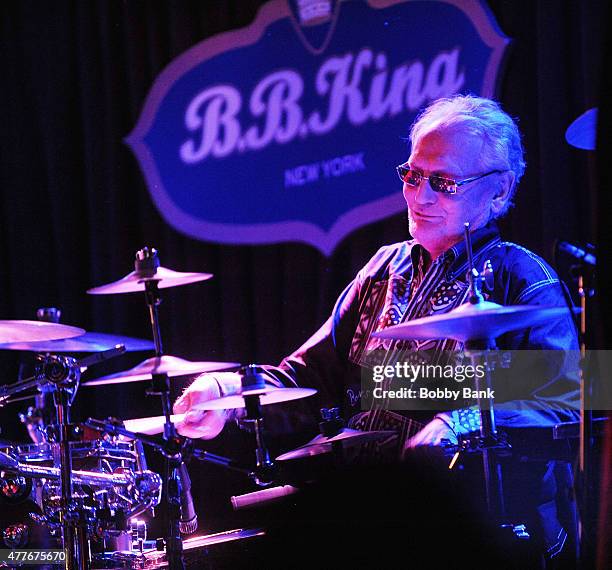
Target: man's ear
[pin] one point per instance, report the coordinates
(502, 194)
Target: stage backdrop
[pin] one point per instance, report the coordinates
(274, 132)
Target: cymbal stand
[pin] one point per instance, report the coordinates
(64, 373)
(252, 381)
(488, 441)
(146, 264)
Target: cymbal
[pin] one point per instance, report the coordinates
(582, 132)
(471, 322)
(152, 425)
(170, 365)
(26, 331)
(268, 395)
(134, 282)
(88, 342)
(324, 444)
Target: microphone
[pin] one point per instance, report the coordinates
(579, 253)
(188, 523)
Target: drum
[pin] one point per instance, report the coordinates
(108, 477)
(20, 515)
(95, 455)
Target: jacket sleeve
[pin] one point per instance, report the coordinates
(543, 380)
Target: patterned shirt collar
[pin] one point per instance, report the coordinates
(456, 256)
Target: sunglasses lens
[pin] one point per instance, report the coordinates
(443, 185)
(409, 176)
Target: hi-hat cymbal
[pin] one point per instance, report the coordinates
(26, 331)
(170, 365)
(324, 444)
(472, 322)
(89, 342)
(134, 282)
(268, 395)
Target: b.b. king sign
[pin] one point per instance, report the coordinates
(289, 129)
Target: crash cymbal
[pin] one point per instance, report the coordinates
(29, 331)
(170, 365)
(152, 425)
(472, 322)
(135, 282)
(582, 133)
(268, 395)
(89, 342)
(324, 444)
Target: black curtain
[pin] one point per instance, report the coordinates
(74, 206)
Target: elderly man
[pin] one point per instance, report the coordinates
(465, 165)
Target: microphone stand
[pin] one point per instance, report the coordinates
(586, 455)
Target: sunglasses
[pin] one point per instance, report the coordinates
(438, 183)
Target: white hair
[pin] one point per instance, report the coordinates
(502, 146)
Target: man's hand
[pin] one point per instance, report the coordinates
(198, 423)
(432, 435)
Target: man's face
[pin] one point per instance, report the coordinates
(436, 220)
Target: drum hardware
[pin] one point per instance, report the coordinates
(114, 428)
(149, 277)
(63, 375)
(252, 382)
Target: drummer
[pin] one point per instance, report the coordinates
(465, 165)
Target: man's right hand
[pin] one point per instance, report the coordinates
(199, 423)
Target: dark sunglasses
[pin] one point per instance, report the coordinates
(438, 183)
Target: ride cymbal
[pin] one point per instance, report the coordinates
(472, 322)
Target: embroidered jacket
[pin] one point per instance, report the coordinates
(396, 285)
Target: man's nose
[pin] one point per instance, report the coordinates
(423, 193)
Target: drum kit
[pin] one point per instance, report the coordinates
(88, 483)
(81, 487)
